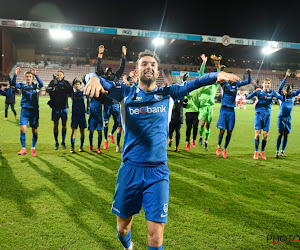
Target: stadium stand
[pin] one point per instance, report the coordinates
(48, 69)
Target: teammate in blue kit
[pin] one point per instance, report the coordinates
(111, 107)
(143, 177)
(29, 107)
(59, 90)
(7, 93)
(227, 115)
(262, 117)
(78, 114)
(95, 122)
(284, 119)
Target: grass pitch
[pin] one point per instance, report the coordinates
(59, 200)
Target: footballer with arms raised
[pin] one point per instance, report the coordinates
(143, 177)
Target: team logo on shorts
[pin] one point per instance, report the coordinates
(158, 97)
(165, 208)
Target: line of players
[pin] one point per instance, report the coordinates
(59, 91)
(199, 109)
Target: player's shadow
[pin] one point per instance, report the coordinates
(103, 176)
(107, 181)
(13, 190)
(83, 199)
(229, 197)
(15, 122)
(100, 157)
(183, 154)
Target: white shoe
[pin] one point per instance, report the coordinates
(117, 149)
(131, 246)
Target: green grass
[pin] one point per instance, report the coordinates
(60, 200)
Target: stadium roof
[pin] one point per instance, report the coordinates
(89, 38)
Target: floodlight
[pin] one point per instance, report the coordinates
(158, 41)
(269, 50)
(60, 34)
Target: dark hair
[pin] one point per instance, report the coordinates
(76, 80)
(147, 52)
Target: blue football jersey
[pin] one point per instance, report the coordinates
(265, 100)
(145, 116)
(95, 108)
(230, 91)
(287, 104)
(78, 106)
(30, 93)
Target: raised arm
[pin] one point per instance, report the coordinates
(179, 91)
(120, 71)
(13, 81)
(297, 92)
(99, 60)
(248, 81)
(202, 68)
(287, 74)
(33, 71)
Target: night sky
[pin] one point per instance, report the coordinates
(265, 20)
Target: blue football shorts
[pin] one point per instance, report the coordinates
(109, 110)
(284, 123)
(31, 116)
(58, 113)
(95, 122)
(142, 185)
(226, 119)
(262, 121)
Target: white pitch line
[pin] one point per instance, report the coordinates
(20, 107)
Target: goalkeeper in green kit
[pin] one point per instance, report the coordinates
(206, 101)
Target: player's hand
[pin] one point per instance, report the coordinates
(248, 71)
(258, 89)
(17, 71)
(94, 87)
(223, 76)
(288, 73)
(33, 71)
(124, 50)
(204, 58)
(101, 49)
(133, 76)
